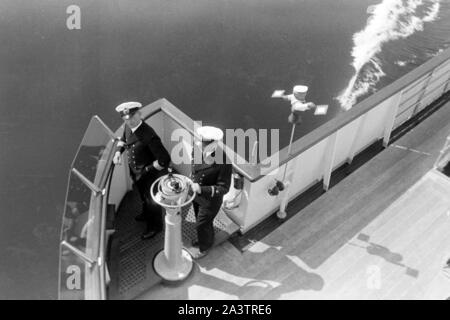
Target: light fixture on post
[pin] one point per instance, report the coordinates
(298, 104)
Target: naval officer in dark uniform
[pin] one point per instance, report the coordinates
(148, 160)
(211, 175)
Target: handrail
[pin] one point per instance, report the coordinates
(79, 253)
(104, 184)
(88, 183)
(99, 188)
(101, 259)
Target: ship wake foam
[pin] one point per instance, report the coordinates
(389, 20)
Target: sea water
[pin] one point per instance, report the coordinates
(218, 61)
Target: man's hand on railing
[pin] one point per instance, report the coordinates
(196, 188)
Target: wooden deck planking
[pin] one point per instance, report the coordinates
(432, 262)
(403, 244)
(421, 249)
(384, 245)
(432, 256)
(344, 212)
(430, 228)
(349, 255)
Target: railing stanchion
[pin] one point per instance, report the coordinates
(328, 160)
(390, 118)
(447, 84)
(356, 138)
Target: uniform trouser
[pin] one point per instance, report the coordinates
(150, 209)
(205, 229)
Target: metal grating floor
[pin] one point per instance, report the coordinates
(131, 258)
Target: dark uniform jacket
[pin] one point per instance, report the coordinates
(214, 180)
(144, 147)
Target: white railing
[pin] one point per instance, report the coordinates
(444, 155)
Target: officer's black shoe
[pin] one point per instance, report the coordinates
(148, 234)
(200, 254)
(140, 217)
(195, 243)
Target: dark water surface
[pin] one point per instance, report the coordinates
(218, 61)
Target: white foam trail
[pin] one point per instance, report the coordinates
(388, 21)
(431, 55)
(433, 12)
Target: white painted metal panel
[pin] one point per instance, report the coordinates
(437, 85)
(260, 203)
(441, 70)
(308, 167)
(344, 141)
(184, 145)
(156, 121)
(410, 92)
(433, 92)
(432, 96)
(119, 184)
(400, 119)
(375, 124)
(239, 214)
(408, 104)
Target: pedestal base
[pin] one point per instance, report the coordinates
(281, 214)
(177, 273)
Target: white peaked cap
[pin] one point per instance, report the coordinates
(300, 89)
(208, 133)
(128, 106)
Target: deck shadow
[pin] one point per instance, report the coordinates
(131, 259)
(385, 253)
(226, 282)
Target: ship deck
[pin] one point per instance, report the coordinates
(381, 233)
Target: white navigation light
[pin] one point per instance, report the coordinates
(300, 92)
(298, 104)
(300, 89)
